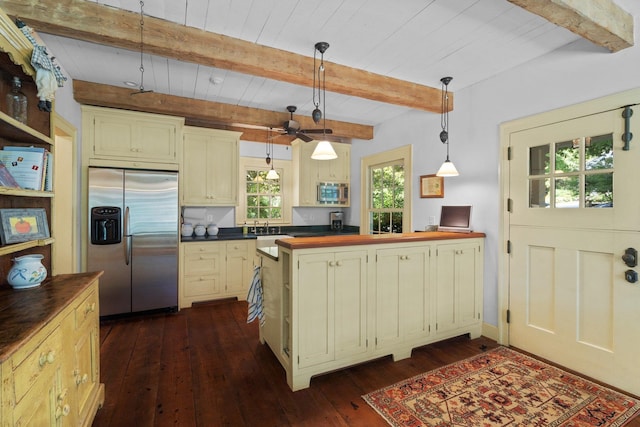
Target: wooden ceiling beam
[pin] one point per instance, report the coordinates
(92, 22)
(206, 113)
(601, 21)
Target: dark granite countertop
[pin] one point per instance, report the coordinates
(235, 233)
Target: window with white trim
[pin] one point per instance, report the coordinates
(262, 199)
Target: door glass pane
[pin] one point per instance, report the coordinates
(599, 190)
(539, 195)
(567, 192)
(599, 152)
(568, 156)
(539, 160)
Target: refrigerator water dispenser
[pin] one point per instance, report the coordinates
(105, 225)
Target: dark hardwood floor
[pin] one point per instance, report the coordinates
(204, 366)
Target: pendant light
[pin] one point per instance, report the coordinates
(447, 168)
(324, 150)
(272, 174)
(141, 88)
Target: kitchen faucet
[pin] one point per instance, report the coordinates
(266, 227)
(255, 226)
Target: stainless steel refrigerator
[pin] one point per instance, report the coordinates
(133, 238)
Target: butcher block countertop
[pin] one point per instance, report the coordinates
(24, 312)
(371, 239)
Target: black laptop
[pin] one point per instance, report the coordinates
(455, 218)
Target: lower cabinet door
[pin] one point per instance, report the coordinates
(315, 309)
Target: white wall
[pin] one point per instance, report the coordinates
(575, 73)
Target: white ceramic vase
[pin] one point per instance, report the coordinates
(27, 272)
(212, 230)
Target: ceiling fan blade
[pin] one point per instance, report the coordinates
(304, 137)
(327, 131)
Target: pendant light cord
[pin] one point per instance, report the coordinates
(141, 46)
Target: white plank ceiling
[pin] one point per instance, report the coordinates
(414, 40)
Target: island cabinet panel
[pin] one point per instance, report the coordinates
(331, 293)
(352, 299)
(402, 295)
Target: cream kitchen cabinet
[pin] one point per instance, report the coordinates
(330, 290)
(53, 377)
(215, 269)
(337, 301)
(130, 136)
(209, 167)
(308, 172)
(458, 290)
(402, 296)
(336, 170)
(201, 272)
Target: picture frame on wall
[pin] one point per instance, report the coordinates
(431, 186)
(23, 225)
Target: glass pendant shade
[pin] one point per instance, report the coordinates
(272, 174)
(324, 151)
(447, 169)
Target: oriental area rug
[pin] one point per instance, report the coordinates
(501, 388)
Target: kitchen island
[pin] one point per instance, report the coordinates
(332, 302)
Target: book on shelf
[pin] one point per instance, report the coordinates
(27, 165)
(6, 179)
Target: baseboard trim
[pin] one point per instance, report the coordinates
(490, 331)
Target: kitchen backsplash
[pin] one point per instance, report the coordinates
(225, 216)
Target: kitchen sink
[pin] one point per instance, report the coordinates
(263, 240)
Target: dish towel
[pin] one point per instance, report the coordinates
(254, 298)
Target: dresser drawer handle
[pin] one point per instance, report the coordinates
(49, 357)
(90, 308)
(81, 379)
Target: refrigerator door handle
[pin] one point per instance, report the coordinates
(127, 248)
(127, 244)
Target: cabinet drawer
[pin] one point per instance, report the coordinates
(208, 248)
(237, 248)
(87, 311)
(40, 363)
(201, 286)
(202, 264)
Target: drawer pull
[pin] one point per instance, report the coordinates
(81, 379)
(62, 411)
(90, 308)
(49, 357)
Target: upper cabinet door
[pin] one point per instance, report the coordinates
(210, 167)
(128, 135)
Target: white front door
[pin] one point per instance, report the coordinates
(575, 209)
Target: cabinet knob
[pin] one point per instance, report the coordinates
(339, 263)
(331, 263)
(49, 357)
(81, 379)
(62, 411)
(90, 308)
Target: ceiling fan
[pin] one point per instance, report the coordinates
(292, 128)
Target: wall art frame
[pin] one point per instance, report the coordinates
(23, 225)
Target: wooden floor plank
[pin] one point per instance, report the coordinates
(205, 366)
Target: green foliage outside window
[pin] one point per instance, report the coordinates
(264, 196)
(387, 199)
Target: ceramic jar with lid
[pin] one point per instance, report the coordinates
(212, 230)
(200, 230)
(27, 272)
(187, 229)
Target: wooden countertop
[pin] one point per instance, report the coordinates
(372, 239)
(24, 312)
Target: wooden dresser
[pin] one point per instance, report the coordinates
(50, 353)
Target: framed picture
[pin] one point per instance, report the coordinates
(431, 186)
(23, 225)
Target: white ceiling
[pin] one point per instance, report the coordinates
(414, 40)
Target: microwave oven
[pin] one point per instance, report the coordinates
(333, 193)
